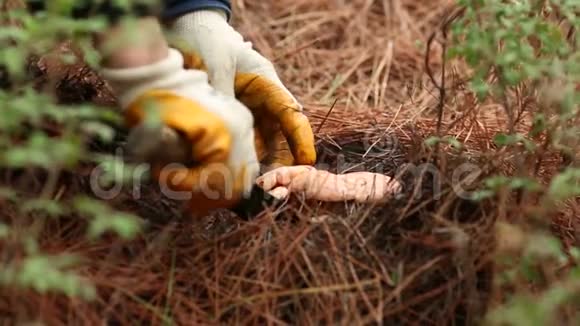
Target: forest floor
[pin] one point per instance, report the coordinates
(360, 69)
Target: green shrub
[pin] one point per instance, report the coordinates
(28, 142)
(530, 47)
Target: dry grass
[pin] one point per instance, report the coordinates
(421, 259)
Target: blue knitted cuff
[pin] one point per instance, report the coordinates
(175, 8)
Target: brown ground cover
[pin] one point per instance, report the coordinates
(424, 258)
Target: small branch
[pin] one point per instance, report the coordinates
(440, 86)
(326, 116)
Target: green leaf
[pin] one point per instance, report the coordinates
(554, 297)
(4, 230)
(13, 59)
(125, 225)
(538, 125)
(497, 182)
(21, 157)
(90, 55)
(512, 76)
(525, 183)
(454, 142)
(12, 33)
(432, 141)
(7, 193)
(481, 88)
(99, 130)
(48, 274)
(482, 195)
(104, 219)
(565, 185)
(544, 246)
(90, 207)
(48, 206)
(44, 151)
(508, 140)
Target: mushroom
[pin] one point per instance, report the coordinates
(361, 187)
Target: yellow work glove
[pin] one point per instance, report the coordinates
(283, 133)
(217, 129)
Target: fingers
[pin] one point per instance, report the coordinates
(253, 62)
(221, 71)
(273, 149)
(262, 95)
(278, 101)
(148, 144)
(260, 144)
(212, 183)
(220, 67)
(279, 154)
(206, 133)
(207, 187)
(207, 35)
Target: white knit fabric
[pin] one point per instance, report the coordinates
(169, 74)
(223, 49)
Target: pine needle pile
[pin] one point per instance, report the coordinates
(377, 88)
